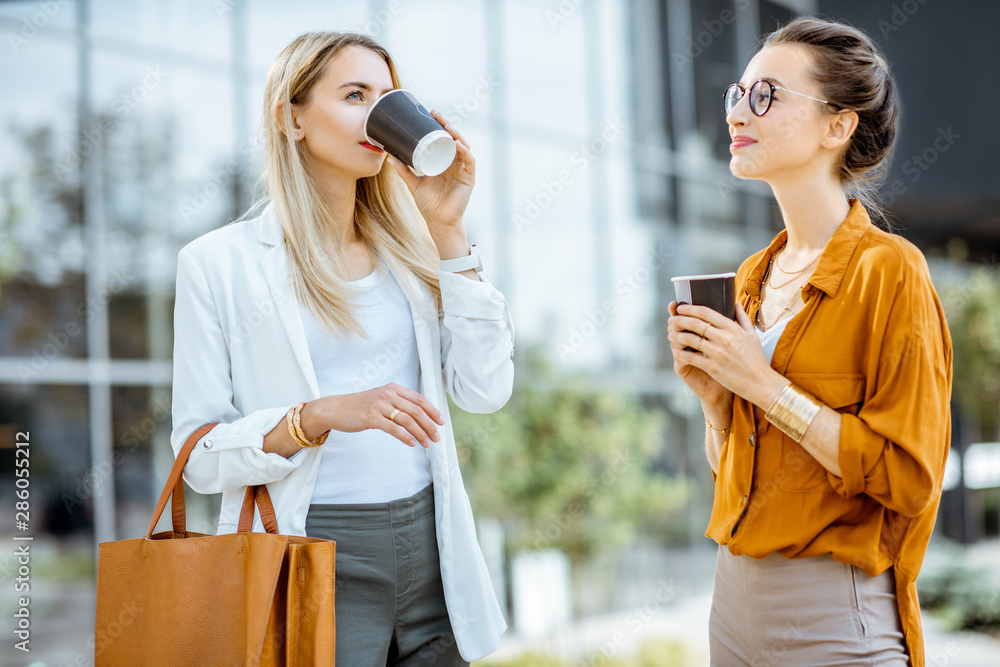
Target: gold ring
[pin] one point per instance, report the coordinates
(707, 327)
(393, 414)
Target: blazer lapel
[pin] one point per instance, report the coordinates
(424, 318)
(274, 263)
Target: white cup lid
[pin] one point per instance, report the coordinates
(434, 153)
(705, 276)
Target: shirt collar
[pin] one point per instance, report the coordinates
(832, 263)
(269, 230)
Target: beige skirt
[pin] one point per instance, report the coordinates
(802, 612)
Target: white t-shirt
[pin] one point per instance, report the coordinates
(368, 466)
(769, 338)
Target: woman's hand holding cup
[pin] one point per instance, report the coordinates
(703, 385)
(442, 199)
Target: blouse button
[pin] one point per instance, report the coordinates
(753, 439)
(207, 444)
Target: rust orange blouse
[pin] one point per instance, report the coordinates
(872, 343)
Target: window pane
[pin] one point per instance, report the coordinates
(772, 15)
(424, 46)
(56, 419)
(192, 26)
(720, 243)
(553, 247)
(652, 117)
(170, 174)
(546, 83)
(44, 310)
(29, 19)
(272, 25)
(713, 33)
(62, 489)
(142, 461)
(43, 323)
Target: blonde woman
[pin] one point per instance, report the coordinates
(323, 335)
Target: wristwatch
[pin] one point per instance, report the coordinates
(470, 261)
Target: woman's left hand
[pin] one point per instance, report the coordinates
(728, 351)
(442, 199)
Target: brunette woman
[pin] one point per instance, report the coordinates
(827, 401)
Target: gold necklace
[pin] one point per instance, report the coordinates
(794, 276)
(760, 312)
(788, 306)
(778, 264)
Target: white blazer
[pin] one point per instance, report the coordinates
(241, 359)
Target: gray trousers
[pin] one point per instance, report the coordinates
(388, 598)
(793, 612)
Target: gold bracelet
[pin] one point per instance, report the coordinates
(291, 429)
(297, 422)
(289, 420)
(295, 428)
(717, 430)
(793, 410)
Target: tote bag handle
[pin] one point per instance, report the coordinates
(255, 495)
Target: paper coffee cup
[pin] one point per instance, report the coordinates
(715, 290)
(400, 125)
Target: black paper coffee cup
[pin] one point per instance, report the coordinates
(400, 125)
(715, 290)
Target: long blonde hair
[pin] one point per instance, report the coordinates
(386, 218)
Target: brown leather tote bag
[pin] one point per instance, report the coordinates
(182, 598)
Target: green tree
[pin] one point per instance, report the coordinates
(973, 311)
(566, 465)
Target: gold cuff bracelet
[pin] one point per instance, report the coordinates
(793, 410)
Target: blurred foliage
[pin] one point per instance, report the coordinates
(39, 194)
(657, 653)
(9, 252)
(973, 312)
(668, 654)
(527, 660)
(965, 597)
(566, 465)
(70, 565)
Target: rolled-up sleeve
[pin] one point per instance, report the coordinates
(477, 343)
(231, 455)
(894, 449)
